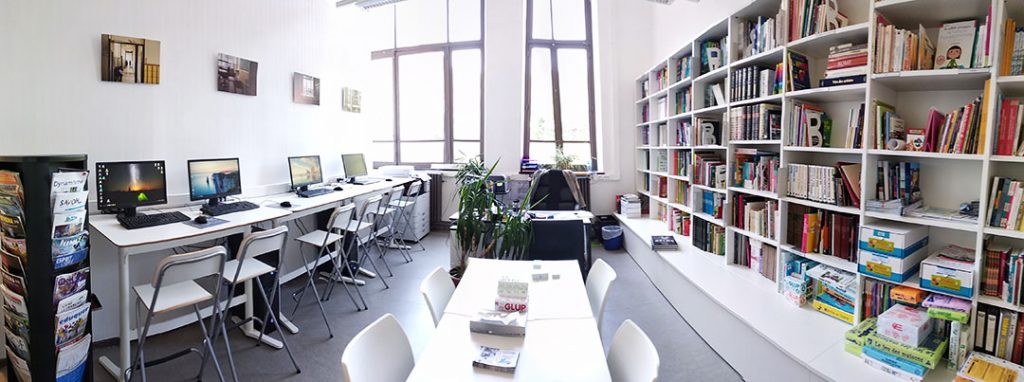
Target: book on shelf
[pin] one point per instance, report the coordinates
(756, 169)
(980, 367)
(660, 161)
(682, 193)
(684, 100)
(899, 49)
(709, 132)
(1008, 127)
(832, 185)
(708, 237)
(661, 78)
(759, 35)
(497, 359)
(877, 297)
(661, 107)
(962, 44)
(823, 232)
(999, 332)
(808, 17)
(799, 72)
(664, 242)
(959, 132)
(681, 163)
(1004, 204)
(761, 121)
(1001, 272)
(752, 82)
(645, 112)
(810, 126)
(645, 88)
(846, 65)
(711, 203)
(709, 170)
(684, 133)
(1013, 49)
(683, 67)
(713, 95)
(757, 256)
(680, 223)
(797, 287)
(835, 292)
(898, 180)
(755, 214)
(713, 55)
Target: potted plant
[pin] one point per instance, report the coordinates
(485, 228)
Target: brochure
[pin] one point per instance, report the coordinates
(14, 302)
(70, 201)
(18, 344)
(15, 283)
(68, 224)
(73, 302)
(20, 366)
(71, 359)
(10, 184)
(71, 324)
(69, 283)
(15, 247)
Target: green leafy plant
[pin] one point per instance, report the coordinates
(564, 161)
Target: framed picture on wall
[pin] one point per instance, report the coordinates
(305, 89)
(236, 75)
(351, 100)
(130, 60)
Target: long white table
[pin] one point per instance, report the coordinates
(147, 240)
(562, 341)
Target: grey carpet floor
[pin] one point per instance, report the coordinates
(684, 355)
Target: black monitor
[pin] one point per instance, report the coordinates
(354, 164)
(305, 170)
(214, 179)
(123, 186)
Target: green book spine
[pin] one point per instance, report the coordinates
(927, 355)
(949, 315)
(858, 334)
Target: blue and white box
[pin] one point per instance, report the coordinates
(890, 268)
(893, 239)
(949, 270)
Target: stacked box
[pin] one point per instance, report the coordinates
(949, 270)
(906, 325)
(907, 295)
(892, 251)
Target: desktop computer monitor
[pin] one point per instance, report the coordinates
(355, 165)
(214, 179)
(305, 170)
(123, 186)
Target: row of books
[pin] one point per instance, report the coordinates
(810, 126)
(797, 287)
(713, 55)
(661, 79)
(645, 111)
(708, 237)
(654, 135)
(661, 107)
(898, 180)
(756, 169)
(1008, 127)
(1002, 271)
(759, 257)
(755, 214)
(760, 35)
(684, 100)
(900, 49)
(682, 195)
(659, 161)
(799, 72)
(645, 88)
(807, 17)
(679, 223)
(823, 232)
(659, 186)
(1013, 49)
(755, 82)
(876, 298)
(762, 121)
(836, 185)
(711, 203)
(710, 170)
(959, 132)
(713, 94)
(709, 132)
(684, 133)
(1004, 204)
(683, 67)
(681, 163)
(847, 64)
(999, 332)
(834, 292)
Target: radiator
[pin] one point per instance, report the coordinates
(584, 183)
(437, 219)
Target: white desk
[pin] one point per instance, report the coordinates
(562, 342)
(165, 237)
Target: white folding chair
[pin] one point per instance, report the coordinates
(322, 241)
(391, 215)
(379, 353)
(174, 287)
(632, 356)
(437, 290)
(245, 267)
(402, 228)
(599, 280)
(363, 233)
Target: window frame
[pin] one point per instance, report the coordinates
(553, 45)
(446, 48)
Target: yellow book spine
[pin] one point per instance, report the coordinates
(831, 311)
(982, 143)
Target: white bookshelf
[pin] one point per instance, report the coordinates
(946, 179)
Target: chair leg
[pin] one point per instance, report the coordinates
(354, 246)
(218, 324)
(366, 257)
(401, 228)
(383, 250)
(311, 284)
(140, 359)
(340, 263)
(208, 342)
(273, 318)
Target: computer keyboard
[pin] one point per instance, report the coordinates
(151, 220)
(365, 181)
(227, 208)
(314, 192)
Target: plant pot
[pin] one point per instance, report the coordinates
(456, 280)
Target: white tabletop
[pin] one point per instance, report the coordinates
(552, 350)
(108, 226)
(552, 299)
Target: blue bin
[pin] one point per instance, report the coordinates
(612, 236)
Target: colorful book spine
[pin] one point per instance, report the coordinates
(833, 311)
(894, 361)
(927, 355)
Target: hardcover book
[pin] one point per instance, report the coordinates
(956, 45)
(497, 359)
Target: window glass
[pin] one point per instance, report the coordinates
(420, 22)
(542, 112)
(574, 94)
(466, 94)
(422, 152)
(542, 152)
(383, 21)
(569, 20)
(381, 152)
(463, 151)
(463, 20)
(378, 103)
(579, 150)
(542, 19)
(421, 97)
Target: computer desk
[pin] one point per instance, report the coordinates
(166, 237)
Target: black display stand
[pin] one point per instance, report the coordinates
(36, 176)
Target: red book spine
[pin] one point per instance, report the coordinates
(1018, 341)
(1004, 128)
(847, 62)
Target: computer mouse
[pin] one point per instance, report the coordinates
(286, 204)
(338, 188)
(201, 219)
(387, 180)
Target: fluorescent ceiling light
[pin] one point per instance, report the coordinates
(366, 4)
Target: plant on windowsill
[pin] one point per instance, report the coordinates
(486, 228)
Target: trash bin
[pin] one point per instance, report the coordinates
(612, 236)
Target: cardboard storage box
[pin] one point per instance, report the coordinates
(887, 267)
(904, 324)
(893, 238)
(949, 270)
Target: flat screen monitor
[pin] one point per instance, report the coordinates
(305, 171)
(354, 164)
(126, 185)
(214, 178)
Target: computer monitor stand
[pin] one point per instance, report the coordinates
(127, 211)
(213, 202)
(301, 189)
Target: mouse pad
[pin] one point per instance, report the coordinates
(210, 222)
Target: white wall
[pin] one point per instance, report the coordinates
(677, 24)
(54, 102)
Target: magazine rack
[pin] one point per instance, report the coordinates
(36, 175)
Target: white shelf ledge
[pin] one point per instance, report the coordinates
(1011, 85)
(708, 218)
(763, 194)
(774, 98)
(756, 142)
(770, 57)
(922, 154)
(842, 93)
(823, 206)
(823, 150)
(817, 45)
(823, 259)
(708, 188)
(754, 236)
(940, 223)
(713, 75)
(935, 79)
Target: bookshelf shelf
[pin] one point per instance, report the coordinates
(948, 224)
(842, 93)
(755, 236)
(712, 76)
(995, 301)
(763, 194)
(817, 45)
(678, 177)
(1014, 234)
(1013, 85)
(935, 79)
(921, 154)
(1006, 158)
(756, 142)
(774, 98)
(709, 110)
(823, 150)
(708, 218)
(909, 13)
(706, 188)
(680, 207)
(709, 147)
(823, 259)
(681, 83)
(822, 206)
(678, 147)
(770, 57)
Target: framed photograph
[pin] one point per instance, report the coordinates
(305, 89)
(236, 75)
(351, 100)
(130, 59)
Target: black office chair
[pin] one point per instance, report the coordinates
(557, 190)
(560, 240)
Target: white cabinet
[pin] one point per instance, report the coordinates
(418, 216)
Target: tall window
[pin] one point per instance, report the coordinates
(560, 81)
(428, 55)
